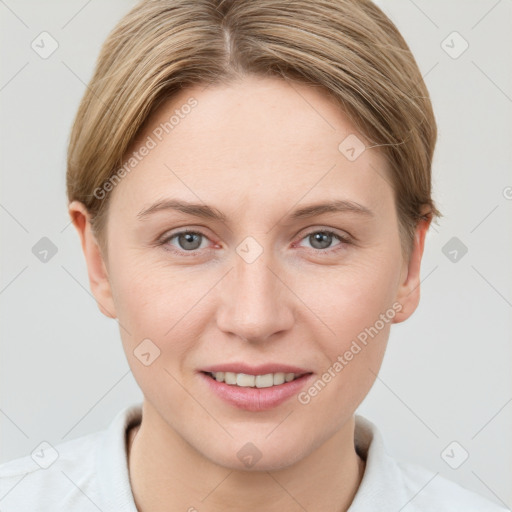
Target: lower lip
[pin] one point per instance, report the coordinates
(256, 399)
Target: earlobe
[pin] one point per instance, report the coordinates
(96, 268)
(409, 290)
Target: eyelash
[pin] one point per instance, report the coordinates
(344, 240)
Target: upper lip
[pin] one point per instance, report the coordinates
(261, 369)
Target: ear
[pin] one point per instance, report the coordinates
(96, 268)
(408, 294)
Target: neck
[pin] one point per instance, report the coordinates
(174, 476)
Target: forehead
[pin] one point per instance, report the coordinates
(255, 139)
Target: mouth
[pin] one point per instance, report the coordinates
(245, 380)
(255, 389)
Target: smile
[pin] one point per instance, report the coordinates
(253, 381)
(255, 392)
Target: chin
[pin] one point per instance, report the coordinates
(256, 456)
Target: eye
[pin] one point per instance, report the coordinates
(185, 241)
(321, 240)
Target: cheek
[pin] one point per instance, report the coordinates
(352, 298)
(357, 306)
(161, 303)
(160, 313)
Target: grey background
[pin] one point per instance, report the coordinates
(447, 373)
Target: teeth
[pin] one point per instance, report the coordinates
(229, 378)
(279, 378)
(250, 381)
(264, 381)
(245, 381)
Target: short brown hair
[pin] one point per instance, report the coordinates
(350, 48)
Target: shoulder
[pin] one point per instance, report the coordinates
(430, 491)
(389, 484)
(89, 473)
(51, 476)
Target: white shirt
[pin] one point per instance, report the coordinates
(90, 474)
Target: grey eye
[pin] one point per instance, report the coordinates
(320, 240)
(188, 241)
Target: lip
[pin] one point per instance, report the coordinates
(261, 369)
(255, 399)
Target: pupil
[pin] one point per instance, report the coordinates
(188, 241)
(323, 239)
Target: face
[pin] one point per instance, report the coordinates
(253, 279)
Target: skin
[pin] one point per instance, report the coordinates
(256, 150)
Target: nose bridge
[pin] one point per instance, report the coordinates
(254, 303)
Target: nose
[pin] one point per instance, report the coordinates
(255, 301)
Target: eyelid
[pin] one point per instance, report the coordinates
(324, 229)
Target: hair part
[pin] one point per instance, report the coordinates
(349, 48)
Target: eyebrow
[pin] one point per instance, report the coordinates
(207, 212)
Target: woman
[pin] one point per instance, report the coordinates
(251, 185)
